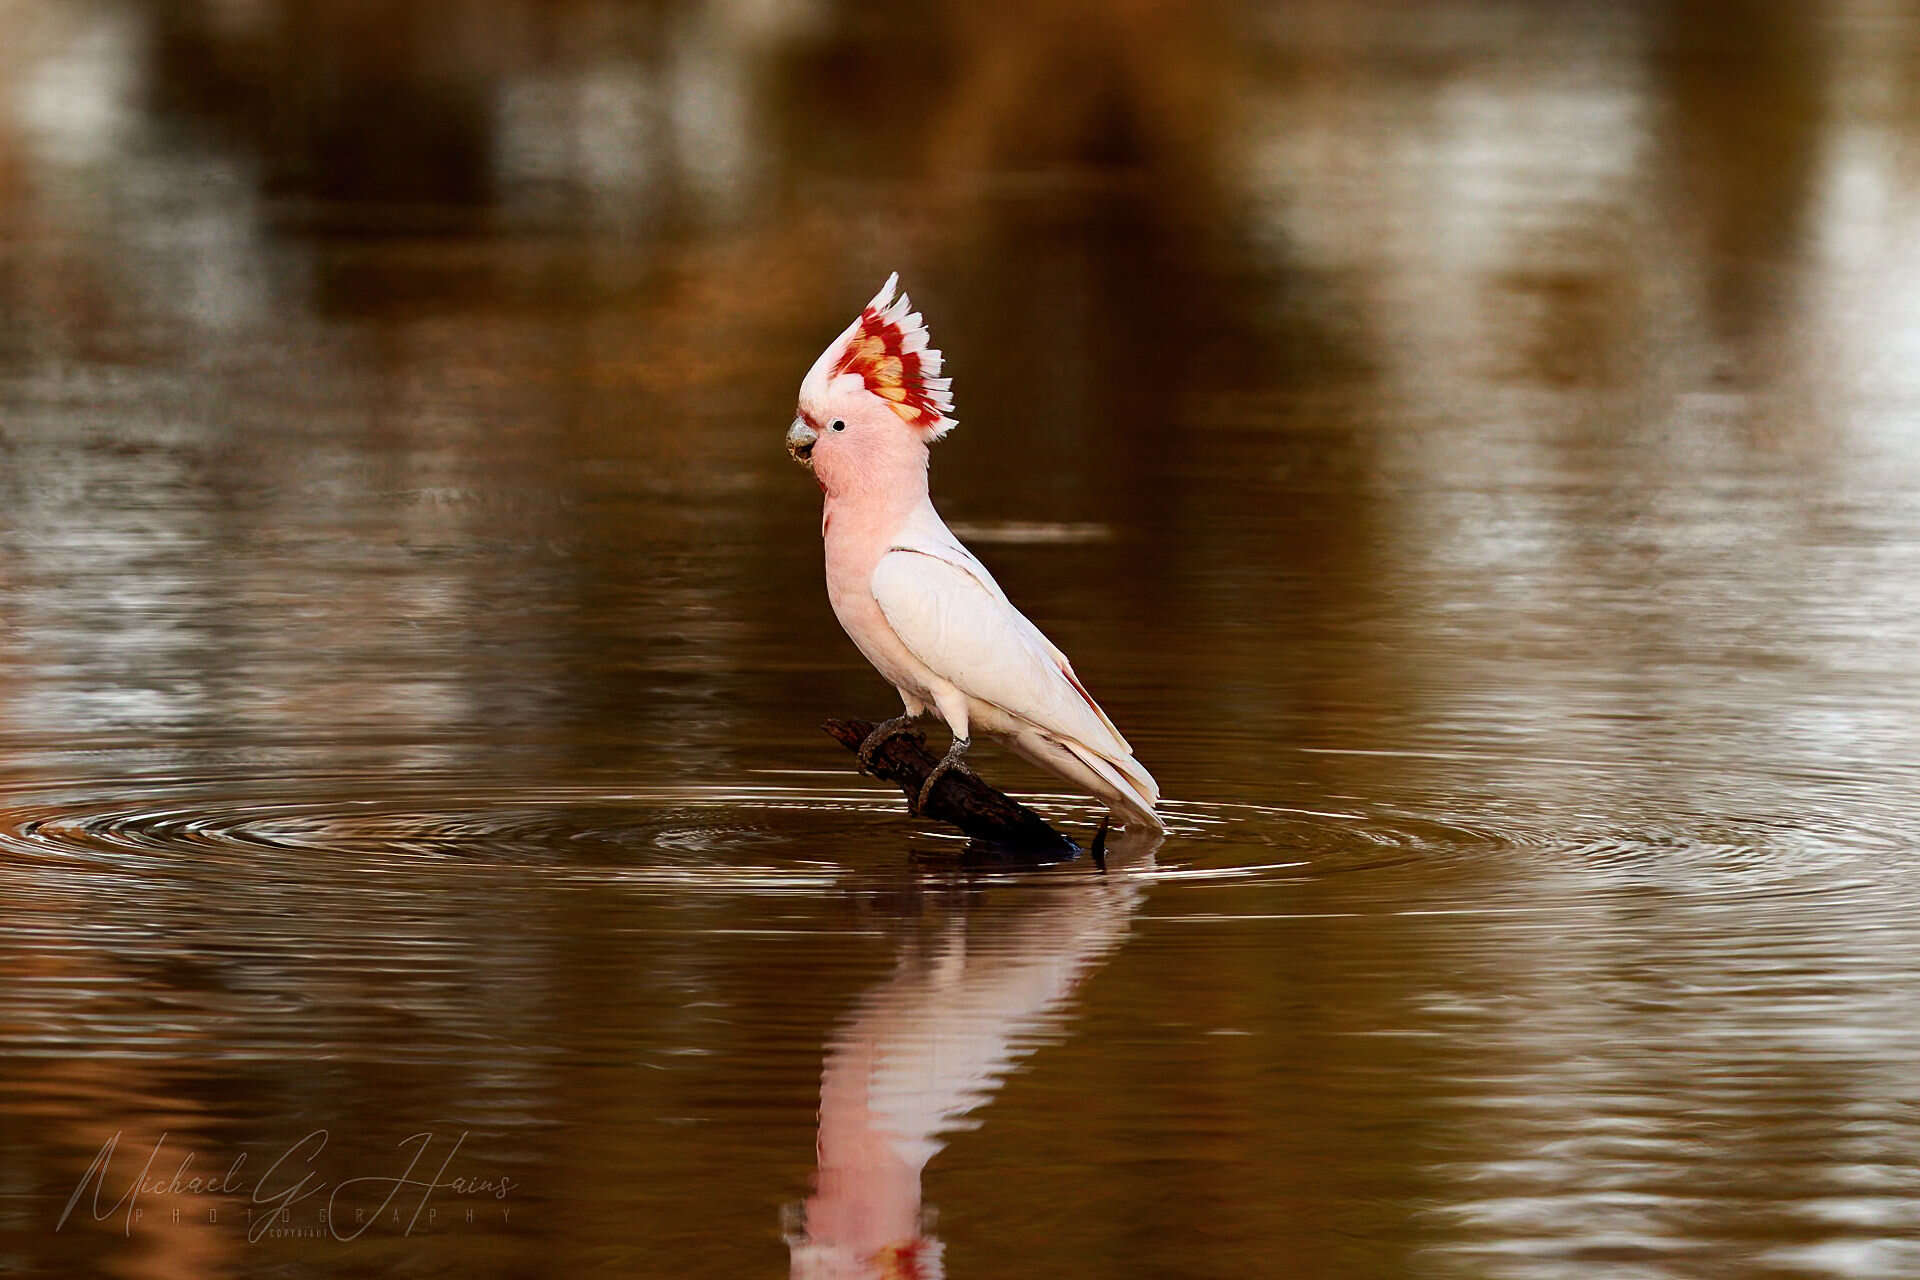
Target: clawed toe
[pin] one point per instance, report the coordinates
(933, 779)
(878, 738)
(948, 762)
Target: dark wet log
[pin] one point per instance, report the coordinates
(960, 798)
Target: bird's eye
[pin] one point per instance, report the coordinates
(839, 425)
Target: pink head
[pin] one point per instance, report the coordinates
(872, 402)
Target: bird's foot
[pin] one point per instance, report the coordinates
(881, 732)
(952, 760)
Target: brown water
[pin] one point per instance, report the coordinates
(1473, 449)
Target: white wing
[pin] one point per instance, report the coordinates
(968, 633)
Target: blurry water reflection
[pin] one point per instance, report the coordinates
(926, 1049)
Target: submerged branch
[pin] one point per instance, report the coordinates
(960, 798)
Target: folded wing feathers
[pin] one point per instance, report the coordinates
(972, 635)
(1066, 670)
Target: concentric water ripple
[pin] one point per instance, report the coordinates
(697, 838)
(804, 838)
(710, 831)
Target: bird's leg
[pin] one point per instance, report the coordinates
(955, 754)
(881, 732)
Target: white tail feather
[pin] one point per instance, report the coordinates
(1122, 783)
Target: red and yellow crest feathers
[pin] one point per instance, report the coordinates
(888, 348)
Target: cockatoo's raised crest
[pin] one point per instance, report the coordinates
(887, 348)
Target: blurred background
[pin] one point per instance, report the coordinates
(1472, 447)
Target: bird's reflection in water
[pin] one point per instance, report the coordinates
(929, 1046)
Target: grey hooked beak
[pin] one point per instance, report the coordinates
(800, 438)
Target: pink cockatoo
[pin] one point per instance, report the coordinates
(919, 606)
